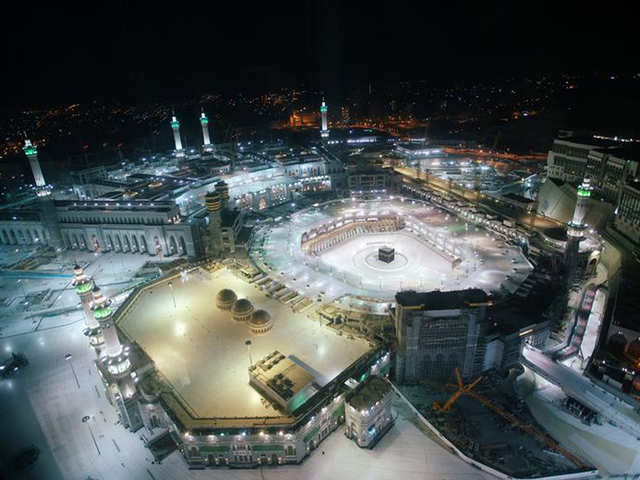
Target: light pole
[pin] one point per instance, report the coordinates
(68, 357)
(248, 344)
(172, 294)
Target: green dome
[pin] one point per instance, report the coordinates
(83, 287)
(102, 312)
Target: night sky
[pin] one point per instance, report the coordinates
(119, 50)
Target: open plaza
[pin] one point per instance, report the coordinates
(434, 250)
(202, 351)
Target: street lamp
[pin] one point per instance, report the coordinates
(68, 357)
(248, 344)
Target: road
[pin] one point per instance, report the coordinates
(584, 390)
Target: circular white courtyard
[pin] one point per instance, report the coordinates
(416, 265)
(331, 249)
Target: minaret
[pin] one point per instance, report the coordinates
(83, 286)
(113, 354)
(584, 192)
(114, 365)
(31, 152)
(175, 126)
(213, 202)
(47, 206)
(204, 121)
(576, 228)
(324, 133)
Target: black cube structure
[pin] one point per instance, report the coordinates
(386, 254)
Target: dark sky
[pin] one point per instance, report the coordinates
(133, 52)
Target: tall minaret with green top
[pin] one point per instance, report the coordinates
(43, 191)
(175, 126)
(324, 133)
(204, 121)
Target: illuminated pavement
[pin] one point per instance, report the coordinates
(47, 409)
(43, 406)
(110, 270)
(202, 352)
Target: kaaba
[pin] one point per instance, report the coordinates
(386, 254)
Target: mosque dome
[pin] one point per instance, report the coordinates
(242, 310)
(225, 299)
(260, 322)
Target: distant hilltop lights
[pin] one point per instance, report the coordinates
(617, 139)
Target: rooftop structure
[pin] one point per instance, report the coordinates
(441, 300)
(368, 393)
(283, 381)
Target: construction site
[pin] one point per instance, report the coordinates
(488, 422)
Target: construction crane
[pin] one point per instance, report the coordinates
(463, 389)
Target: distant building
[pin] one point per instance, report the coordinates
(628, 213)
(368, 411)
(303, 119)
(152, 228)
(373, 180)
(609, 169)
(612, 169)
(417, 150)
(605, 162)
(568, 159)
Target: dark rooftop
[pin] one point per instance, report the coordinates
(627, 152)
(370, 391)
(437, 300)
(517, 198)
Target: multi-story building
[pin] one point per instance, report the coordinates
(568, 159)
(130, 227)
(609, 169)
(605, 162)
(628, 212)
(368, 411)
(439, 331)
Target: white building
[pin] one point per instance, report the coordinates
(368, 411)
